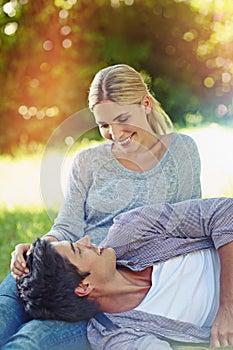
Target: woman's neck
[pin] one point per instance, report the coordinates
(145, 158)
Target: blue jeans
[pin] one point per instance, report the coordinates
(18, 331)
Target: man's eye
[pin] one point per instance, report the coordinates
(78, 249)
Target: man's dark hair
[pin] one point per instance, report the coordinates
(47, 291)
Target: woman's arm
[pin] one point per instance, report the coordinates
(188, 163)
(70, 222)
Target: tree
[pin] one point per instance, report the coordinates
(51, 50)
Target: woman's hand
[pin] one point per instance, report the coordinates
(18, 263)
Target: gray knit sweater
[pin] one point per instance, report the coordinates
(99, 188)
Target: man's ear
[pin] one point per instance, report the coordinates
(83, 289)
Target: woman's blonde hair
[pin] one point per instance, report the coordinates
(123, 84)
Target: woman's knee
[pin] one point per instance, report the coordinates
(38, 334)
(12, 314)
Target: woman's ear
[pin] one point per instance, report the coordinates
(146, 101)
(83, 289)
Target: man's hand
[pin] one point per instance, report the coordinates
(18, 263)
(222, 329)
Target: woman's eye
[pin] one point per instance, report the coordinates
(104, 126)
(123, 120)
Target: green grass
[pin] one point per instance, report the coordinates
(19, 225)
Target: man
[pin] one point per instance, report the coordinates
(156, 280)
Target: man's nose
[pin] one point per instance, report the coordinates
(85, 240)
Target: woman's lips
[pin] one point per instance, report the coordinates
(126, 141)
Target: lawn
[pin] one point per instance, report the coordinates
(26, 212)
(19, 225)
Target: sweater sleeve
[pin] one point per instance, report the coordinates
(189, 169)
(70, 222)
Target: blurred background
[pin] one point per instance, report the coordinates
(50, 51)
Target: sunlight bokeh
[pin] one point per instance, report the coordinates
(39, 93)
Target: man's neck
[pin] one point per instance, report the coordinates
(127, 290)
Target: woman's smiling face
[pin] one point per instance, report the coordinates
(126, 125)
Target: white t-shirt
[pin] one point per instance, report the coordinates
(185, 288)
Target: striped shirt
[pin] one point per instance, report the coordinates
(145, 236)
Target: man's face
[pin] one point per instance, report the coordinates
(100, 263)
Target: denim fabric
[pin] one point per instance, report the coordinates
(18, 332)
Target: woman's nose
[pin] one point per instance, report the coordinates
(115, 131)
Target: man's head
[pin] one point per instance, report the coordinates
(64, 279)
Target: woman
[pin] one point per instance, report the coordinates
(142, 164)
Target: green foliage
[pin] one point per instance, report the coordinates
(50, 50)
(19, 226)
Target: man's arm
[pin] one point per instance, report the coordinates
(160, 232)
(222, 329)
